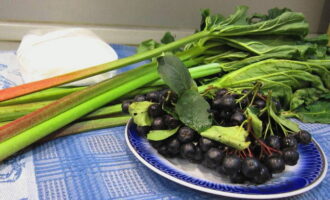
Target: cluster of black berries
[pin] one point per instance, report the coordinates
(255, 164)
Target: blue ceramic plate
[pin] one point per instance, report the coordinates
(308, 173)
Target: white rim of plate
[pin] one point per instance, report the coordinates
(230, 194)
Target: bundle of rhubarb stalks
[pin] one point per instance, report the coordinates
(238, 52)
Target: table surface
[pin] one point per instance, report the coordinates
(98, 164)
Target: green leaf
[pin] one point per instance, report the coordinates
(234, 136)
(283, 121)
(175, 74)
(304, 96)
(276, 74)
(318, 112)
(157, 135)
(287, 23)
(272, 13)
(147, 45)
(256, 122)
(192, 110)
(139, 112)
(167, 38)
(326, 96)
(277, 46)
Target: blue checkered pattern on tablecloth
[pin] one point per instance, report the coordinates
(98, 164)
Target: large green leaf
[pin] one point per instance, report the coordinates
(175, 74)
(287, 23)
(318, 112)
(304, 96)
(277, 46)
(192, 110)
(281, 76)
(233, 136)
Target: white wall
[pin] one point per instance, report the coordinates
(18, 16)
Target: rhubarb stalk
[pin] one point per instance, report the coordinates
(31, 134)
(27, 88)
(74, 99)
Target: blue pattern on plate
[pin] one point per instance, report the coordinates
(310, 168)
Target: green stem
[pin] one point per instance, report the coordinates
(45, 95)
(33, 133)
(9, 113)
(74, 99)
(20, 90)
(105, 111)
(80, 127)
(196, 72)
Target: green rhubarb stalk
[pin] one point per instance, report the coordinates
(66, 103)
(9, 113)
(45, 95)
(56, 93)
(196, 72)
(27, 88)
(88, 125)
(84, 126)
(40, 130)
(3, 123)
(104, 111)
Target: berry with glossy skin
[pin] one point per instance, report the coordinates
(156, 144)
(163, 150)
(225, 114)
(125, 105)
(186, 134)
(171, 122)
(263, 176)
(158, 124)
(237, 118)
(198, 156)
(289, 142)
(244, 102)
(278, 105)
(259, 103)
(188, 151)
(221, 92)
(143, 130)
(173, 146)
(139, 98)
(275, 164)
(155, 110)
(221, 170)
(237, 178)
(231, 164)
(290, 156)
(273, 141)
(213, 157)
(227, 102)
(205, 144)
(251, 167)
(304, 137)
(153, 96)
(168, 97)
